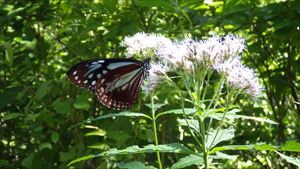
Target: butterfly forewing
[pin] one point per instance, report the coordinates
(85, 74)
(119, 89)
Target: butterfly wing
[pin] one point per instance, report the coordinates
(119, 88)
(85, 74)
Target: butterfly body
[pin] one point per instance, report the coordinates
(116, 82)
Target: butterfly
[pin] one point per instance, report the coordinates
(116, 81)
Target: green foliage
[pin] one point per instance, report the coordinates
(40, 110)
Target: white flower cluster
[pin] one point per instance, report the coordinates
(240, 77)
(142, 43)
(215, 53)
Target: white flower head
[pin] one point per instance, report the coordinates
(155, 77)
(215, 51)
(233, 46)
(240, 77)
(175, 55)
(142, 43)
(207, 52)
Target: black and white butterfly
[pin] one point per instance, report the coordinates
(116, 82)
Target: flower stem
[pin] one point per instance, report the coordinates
(204, 147)
(154, 131)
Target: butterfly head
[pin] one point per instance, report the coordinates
(146, 64)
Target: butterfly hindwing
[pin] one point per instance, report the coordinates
(119, 89)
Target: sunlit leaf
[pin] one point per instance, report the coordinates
(192, 123)
(166, 148)
(292, 160)
(187, 111)
(125, 114)
(96, 133)
(291, 146)
(220, 155)
(232, 115)
(216, 136)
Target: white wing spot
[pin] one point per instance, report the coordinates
(98, 75)
(93, 82)
(91, 75)
(75, 72)
(102, 80)
(76, 77)
(101, 61)
(104, 72)
(85, 82)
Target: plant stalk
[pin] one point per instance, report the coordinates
(155, 131)
(204, 147)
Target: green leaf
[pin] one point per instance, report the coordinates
(62, 106)
(28, 161)
(125, 113)
(216, 136)
(12, 116)
(291, 146)
(100, 146)
(292, 160)
(188, 161)
(158, 3)
(82, 102)
(232, 115)
(9, 95)
(258, 146)
(134, 165)
(187, 111)
(65, 156)
(83, 158)
(156, 106)
(194, 124)
(43, 90)
(220, 155)
(96, 133)
(54, 136)
(166, 148)
(9, 54)
(119, 136)
(45, 145)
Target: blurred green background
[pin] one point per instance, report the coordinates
(41, 40)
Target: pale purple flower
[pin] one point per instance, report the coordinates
(240, 76)
(233, 46)
(143, 43)
(175, 55)
(207, 52)
(215, 51)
